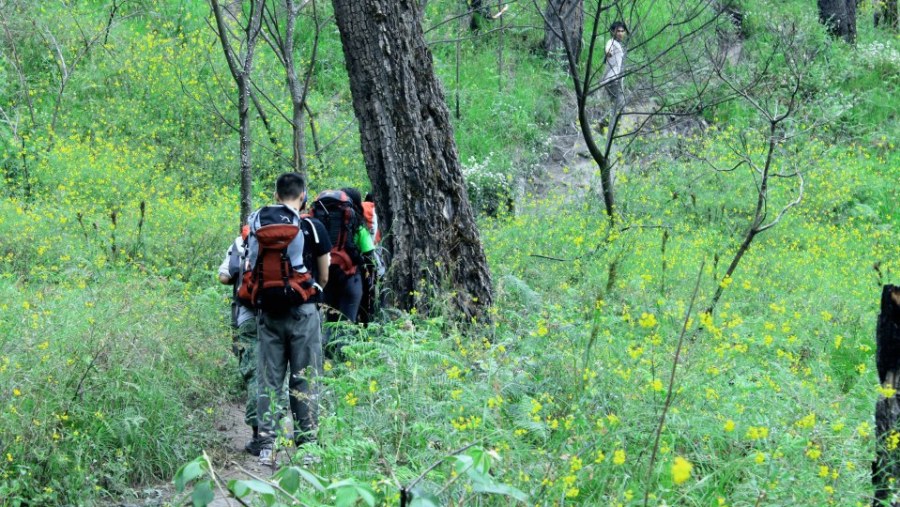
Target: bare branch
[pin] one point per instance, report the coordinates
(786, 208)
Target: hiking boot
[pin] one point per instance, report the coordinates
(267, 456)
(253, 446)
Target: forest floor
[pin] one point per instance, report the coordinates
(229, 459)
(568, 169)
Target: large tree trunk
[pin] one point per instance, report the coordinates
(840, 18)
(887, 14)
(566, 18)
(887, 410)
(410, 154)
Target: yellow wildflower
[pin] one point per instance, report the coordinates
(681, 470)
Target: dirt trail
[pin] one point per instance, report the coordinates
(235, 432)
(229, 460)
(568, 167)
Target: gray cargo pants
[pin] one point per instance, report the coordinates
(289, 342)
(617, 100)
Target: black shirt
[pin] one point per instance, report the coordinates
(315, 244)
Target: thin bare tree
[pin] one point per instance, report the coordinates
(26, 37)
(239, 53)
(280, 34)
(773, 89)
(662, 58)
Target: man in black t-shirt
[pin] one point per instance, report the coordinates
(316, 243)
(290, 340)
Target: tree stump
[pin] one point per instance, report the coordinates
(839, 16)
(886, 467)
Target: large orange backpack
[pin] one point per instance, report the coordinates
(276, 279)
(371, 219)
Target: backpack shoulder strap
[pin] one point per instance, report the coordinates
(312, 227)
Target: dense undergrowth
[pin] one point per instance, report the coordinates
(114, 343)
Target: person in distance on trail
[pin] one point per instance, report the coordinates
(612, 76)
(285, 294)
(481, 13)
(244, 340)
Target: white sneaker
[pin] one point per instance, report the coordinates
(266, 457)
(310, 459)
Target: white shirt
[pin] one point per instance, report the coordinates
(226, 268)
(614, 61)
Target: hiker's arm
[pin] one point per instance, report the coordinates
(322, 263)
(225, 268)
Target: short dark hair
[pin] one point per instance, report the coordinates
(354, 196)
(290, 186)
(616, 25)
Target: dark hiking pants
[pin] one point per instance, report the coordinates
(342, 299)
(289, 342)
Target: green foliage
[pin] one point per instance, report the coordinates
(856, 84)
(82, 358)
(114, 345)
(297, 485)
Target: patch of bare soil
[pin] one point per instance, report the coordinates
(568, 167)
(229, 460)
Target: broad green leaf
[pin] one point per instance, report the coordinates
(500, 489)
(237, 487)
(341, 484)
(254, 485)
(463, 462)
(366, 494)
(188, 472)
(311, 478)
(474, 464)
(481, 460)
(289, 479)
(346, 496)
(203, 494)
(425, 500)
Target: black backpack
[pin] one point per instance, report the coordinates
(336, 212)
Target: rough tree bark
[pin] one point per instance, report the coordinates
(411, 158)
(568, 17)
(887, 410)
(839, 16)
(887, 14)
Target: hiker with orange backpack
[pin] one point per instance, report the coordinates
(280, 286)
(340, 211)
(244, 340)
(374, 266)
